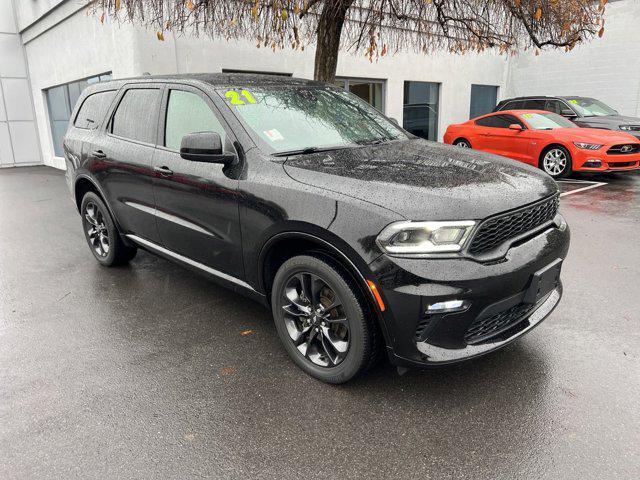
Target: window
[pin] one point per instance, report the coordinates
(533, 104)
(136, 115)
(547, 121)
(93, 109)
(483, 99)
(60, 102)
(497, 121)
(371, 91)
(555, 106)
(513, 105)
(420, 110)
(188, 113)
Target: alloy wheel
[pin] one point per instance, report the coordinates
(315, 319)
(463, 144)
(97, 231)
(555, 162)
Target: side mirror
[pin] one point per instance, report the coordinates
(515, 126)
(204, 147)
(566, 112)
(394, 121)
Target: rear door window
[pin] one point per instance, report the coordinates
(533, 105)
(136, 115)
(188, 113)
(93, 109)
(555, 106)
(496, 121)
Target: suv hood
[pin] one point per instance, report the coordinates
(423, 180)
(609, 120)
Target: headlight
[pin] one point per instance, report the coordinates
(588, 146)
(424, 237)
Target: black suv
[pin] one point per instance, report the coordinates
(583, 111)
(357, 235)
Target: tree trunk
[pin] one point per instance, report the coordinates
(330, 26)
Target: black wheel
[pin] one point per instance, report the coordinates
(556, 161)
(101, 233)
(322, 320)
(462, 143)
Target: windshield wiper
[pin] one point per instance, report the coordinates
(306, 150)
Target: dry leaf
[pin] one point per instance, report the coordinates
(102, 18)
(190, 6)
(246, 332)
(601, 32)
(538, 14)
(160, 35)
(227, 371)
(117, 7)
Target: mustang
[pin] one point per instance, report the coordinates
(548, 141)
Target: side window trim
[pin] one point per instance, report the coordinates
(114, 107)
(164, 108)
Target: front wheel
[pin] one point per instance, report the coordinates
(321, 319)
(556, 161)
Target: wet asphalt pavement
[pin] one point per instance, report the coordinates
(151, 371)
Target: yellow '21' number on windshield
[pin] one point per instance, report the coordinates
(234, 97)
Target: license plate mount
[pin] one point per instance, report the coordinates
(543, 282)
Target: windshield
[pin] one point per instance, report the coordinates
(590, 107)
(296, 118)
(546, 121)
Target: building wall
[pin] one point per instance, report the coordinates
(606, 68)
(58, 52)
(19, 143)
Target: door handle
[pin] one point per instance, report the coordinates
(165, 171)
(98, 154)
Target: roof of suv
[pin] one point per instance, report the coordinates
(218, 80)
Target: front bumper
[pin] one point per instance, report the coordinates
(608, 163)
(495, 288)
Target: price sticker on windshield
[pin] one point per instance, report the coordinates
(239, 98)
(575, 102)
(527, 115)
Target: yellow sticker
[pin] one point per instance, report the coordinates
(575, 102)
(234, 97)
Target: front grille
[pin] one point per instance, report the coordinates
(625, 149)
(622, 164)
(484, 328)
(494, 231)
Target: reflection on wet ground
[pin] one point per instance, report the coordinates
(151, 371)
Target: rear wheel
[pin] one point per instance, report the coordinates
(462, 143)
(101, 233)
(322, 320)
(556, 161)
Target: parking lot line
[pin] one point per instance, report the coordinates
(582, 189)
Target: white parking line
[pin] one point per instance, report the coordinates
(578, 190)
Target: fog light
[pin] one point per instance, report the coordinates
(592, 163)
(447, 307)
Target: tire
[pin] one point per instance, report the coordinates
(462, 143)
(317, 356)
(101, 233)
(556, 162)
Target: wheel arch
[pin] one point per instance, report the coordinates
(287, 244)
(85, 184)
(551, 145)
(461, 137)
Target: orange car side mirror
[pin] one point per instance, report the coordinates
(515, 126)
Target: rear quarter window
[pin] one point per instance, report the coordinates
(93, 109)
(136, 115)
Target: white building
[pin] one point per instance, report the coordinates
(50, 49)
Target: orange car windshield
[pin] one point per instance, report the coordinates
(546, 121)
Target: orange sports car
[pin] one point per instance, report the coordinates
(548, 141)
